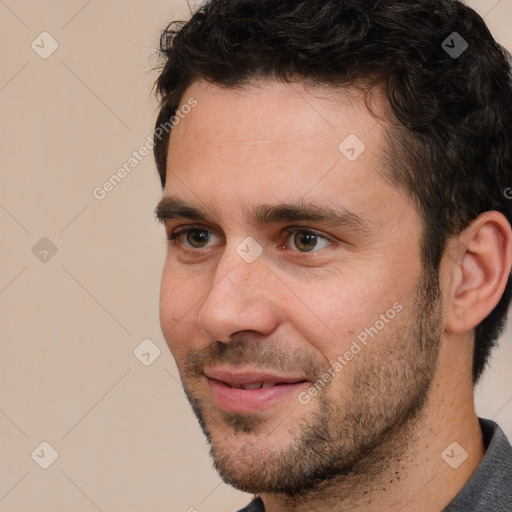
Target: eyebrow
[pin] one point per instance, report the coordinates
(172, 208)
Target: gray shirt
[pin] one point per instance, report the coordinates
(490, 487)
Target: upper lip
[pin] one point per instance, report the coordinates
(239, 377)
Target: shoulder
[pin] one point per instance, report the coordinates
(490, 487)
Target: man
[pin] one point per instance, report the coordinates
(339, 248)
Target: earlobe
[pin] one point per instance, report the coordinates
(479, 270)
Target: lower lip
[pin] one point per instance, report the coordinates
(250, 400)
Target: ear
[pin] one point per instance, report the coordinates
(478, 263)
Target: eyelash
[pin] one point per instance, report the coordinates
(172, 238)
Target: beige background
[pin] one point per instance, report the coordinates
(125, 437)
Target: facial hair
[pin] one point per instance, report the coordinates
(382, 397)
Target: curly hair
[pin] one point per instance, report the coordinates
(450, 127)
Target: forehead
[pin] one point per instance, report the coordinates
(276, 117)
(274, 142)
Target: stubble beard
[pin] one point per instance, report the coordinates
(337, 436)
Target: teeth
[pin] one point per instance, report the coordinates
(254, 385)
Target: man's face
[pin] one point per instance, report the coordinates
(300, 271)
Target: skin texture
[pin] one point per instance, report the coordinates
(372, 438)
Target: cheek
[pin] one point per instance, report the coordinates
(345, 311)
(179, 297)
(332, 319)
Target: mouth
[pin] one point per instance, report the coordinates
(251, 391)
(255, 385)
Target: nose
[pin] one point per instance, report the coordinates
(244, 297)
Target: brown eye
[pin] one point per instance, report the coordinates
(193, 238)
(305, 241)
(197, 238)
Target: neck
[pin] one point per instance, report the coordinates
(407, 471)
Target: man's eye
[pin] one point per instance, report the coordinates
(306, 241)
(299, 240)
(194, 238)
